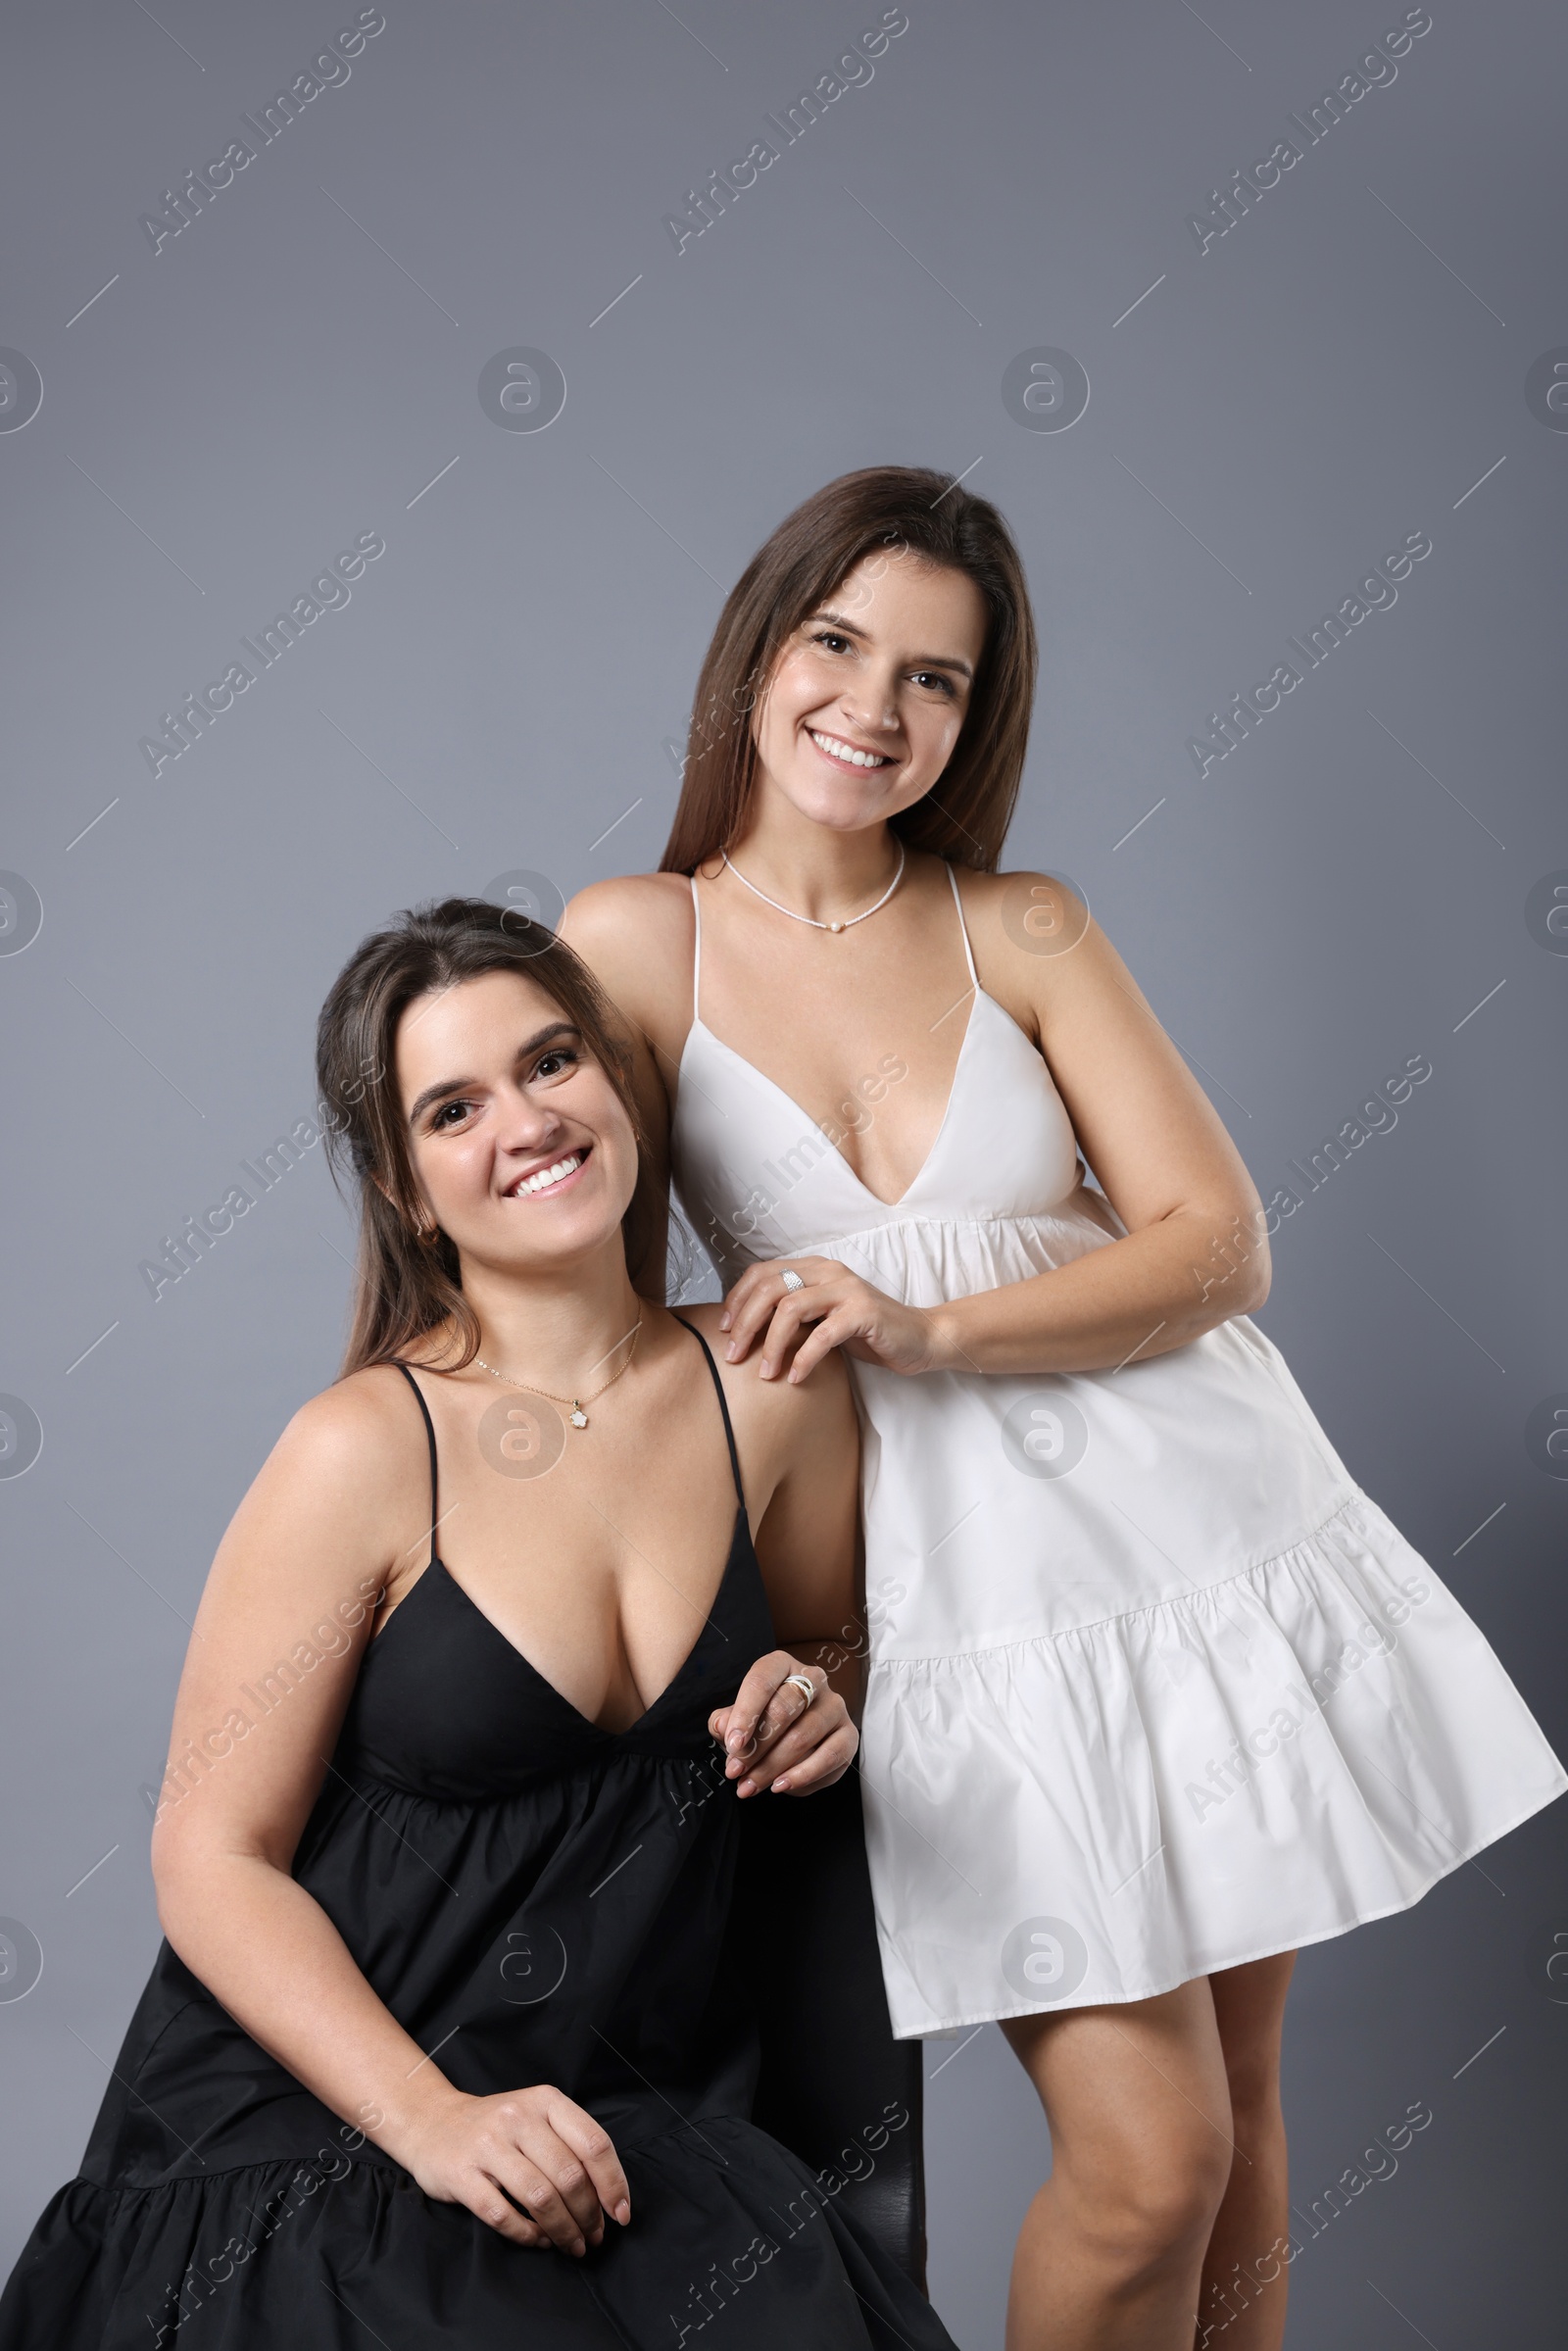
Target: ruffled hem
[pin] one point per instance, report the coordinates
(732, 2239)
(1102, 1814)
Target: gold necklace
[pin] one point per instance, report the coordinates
(577, 1416)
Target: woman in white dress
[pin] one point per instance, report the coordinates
(1157, 1694)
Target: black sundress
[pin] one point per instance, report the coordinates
(536, 1899)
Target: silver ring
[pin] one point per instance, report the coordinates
(804, 1681)
(790, 1279)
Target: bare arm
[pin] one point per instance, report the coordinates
(802, 1448)
(1194, 1252)
(286, 1614)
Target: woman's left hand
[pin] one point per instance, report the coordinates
(833, 1309)
(775, 1738)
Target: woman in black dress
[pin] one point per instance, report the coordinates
(449, 2041)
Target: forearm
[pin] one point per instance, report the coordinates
(268, 1951)
(1143, 1295)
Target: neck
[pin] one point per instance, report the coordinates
(810, 868)
(558, 1330)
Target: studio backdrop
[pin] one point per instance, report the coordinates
(388, 399)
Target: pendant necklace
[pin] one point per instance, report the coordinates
(577, 1416)
(810, 918)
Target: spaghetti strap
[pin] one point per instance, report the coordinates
(964, 930)
(430, 1431)
(697, 963)
(718, 1391)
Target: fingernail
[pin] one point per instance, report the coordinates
(724, 1321)
(747, 1787)
(623, 2211)
(729, 1351)
(767, 1369)
(779, 1787)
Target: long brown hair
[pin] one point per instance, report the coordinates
(407, 1286)
(813, 552)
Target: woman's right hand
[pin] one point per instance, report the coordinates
(544, 2151)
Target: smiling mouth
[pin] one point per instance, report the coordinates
(844, 754)
(548, 1179)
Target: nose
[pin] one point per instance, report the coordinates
(871, 701)
(527, 1122)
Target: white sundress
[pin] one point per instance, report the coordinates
(1154, 1688)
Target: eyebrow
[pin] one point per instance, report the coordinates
(525, 1052)
(919, 661)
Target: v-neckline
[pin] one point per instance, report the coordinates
(740, 1538)
(773, 1085)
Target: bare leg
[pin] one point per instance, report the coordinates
(1241, 2303)
(1138, 2102)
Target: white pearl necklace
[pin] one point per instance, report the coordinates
(812, 918)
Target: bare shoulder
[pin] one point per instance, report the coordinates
(360, 1441)
(636, 935)
(1036, 942)
(782, 1425)
(620, 918)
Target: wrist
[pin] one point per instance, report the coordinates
(945, 1351)
(398, 2130)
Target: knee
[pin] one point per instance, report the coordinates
(1154, 2209)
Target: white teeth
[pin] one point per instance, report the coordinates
(548, 1175)
(845, 750)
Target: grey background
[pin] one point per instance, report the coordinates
(505, 686)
